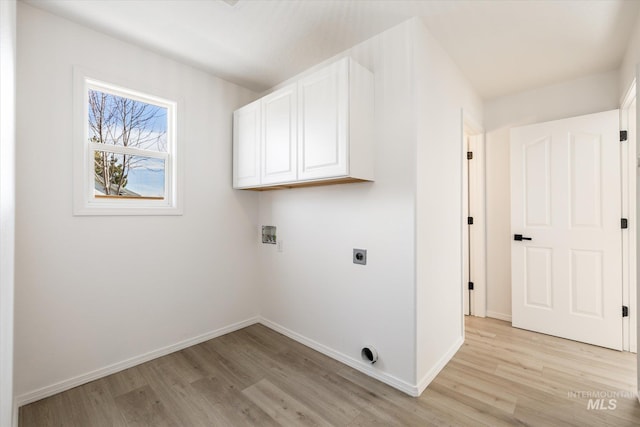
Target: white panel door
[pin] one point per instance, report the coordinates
(279, 136)
(246, 146)
(566, 198)
(323, 102)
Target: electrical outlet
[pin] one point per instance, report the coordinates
(360, 256)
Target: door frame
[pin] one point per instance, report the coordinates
(628, 155)
(8, 408)
(477, 198)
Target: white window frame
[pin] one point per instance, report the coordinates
(85, 201)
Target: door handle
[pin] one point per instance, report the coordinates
(520, 237)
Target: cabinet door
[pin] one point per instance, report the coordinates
(323, 123)
(246, 146)
(279, 136)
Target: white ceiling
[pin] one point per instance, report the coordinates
(501, 46)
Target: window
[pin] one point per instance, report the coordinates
(127, 150)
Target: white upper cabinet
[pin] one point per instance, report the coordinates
(246, 145)
(279, 136)
(318, 130)
(323, 100)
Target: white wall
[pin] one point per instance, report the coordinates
(442, 94)
(312, 289)
(586, 95)
(7, 204)
(629, 62)
(92, 292)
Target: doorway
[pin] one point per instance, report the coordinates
(473, 220)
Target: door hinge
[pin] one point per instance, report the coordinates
(624, 223)
(469, 155)
(470, 286)
(470, 220)
(625, 311)
(623, 135)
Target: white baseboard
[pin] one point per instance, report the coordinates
(499, 316)
(433, 372)
(405, 387)
(356, 364)
(70, 383)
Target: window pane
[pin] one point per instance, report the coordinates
(128, 176)
(117, 120)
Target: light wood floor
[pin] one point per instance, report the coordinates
(257, 377)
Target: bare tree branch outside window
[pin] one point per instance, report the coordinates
(124, 122)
